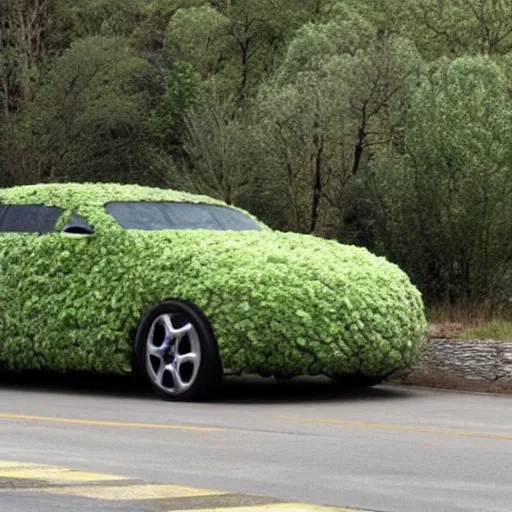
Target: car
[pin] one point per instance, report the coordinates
(183, 289)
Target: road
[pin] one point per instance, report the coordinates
(392, 449)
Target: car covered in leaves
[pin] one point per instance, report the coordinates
(183, 289)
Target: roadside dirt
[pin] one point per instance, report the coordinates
(441, 380)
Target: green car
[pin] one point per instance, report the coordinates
(184, 289)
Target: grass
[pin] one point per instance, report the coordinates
(496, 329)
(467, 321)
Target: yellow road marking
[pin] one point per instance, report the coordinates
(12, 465)
(60, 479)
(56, 475)
(276, 507)
(99, 423)
(399, 428)
(132, 492)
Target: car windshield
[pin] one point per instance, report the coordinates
(154, 216)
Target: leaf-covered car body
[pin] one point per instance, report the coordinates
(278, 303)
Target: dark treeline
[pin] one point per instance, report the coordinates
(380, 123)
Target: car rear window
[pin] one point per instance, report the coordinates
(168, 215)
(28, 218)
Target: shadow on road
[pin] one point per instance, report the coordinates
(244, 390)
(235, 390)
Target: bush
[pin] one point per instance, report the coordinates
(278, 302)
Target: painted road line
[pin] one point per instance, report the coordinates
(100, 423)
(132, 492)
(279, 507)
(13, 465)
(62, 482)
(399, 428)
(55, 475)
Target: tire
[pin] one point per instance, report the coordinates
(177, 353)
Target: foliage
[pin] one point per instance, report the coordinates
(497, 329)
(181, 92)
(91, 117)
(335, 97)
(279, 303)
(196, 35)
(218, 149)
(456, 188)
(462, 27)
(321, 116)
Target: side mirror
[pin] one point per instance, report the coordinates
(78, 226)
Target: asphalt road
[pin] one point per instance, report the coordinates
(393, 449)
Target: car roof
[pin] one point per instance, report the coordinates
(75, 195)
(86, 197)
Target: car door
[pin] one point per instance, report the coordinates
(58, 287)
(23, 228)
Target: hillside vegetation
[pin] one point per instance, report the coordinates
(378, 123)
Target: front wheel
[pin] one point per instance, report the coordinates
(176, 350)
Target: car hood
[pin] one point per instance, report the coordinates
(267, 247)
(266, 259)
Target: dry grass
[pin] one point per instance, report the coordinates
(497, 329)
(467, 321)
(468, 315)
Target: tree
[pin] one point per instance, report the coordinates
(197, 35)
(182, 92)
(257, 32)
(89, 120)
(462, 27)
(335, 98)
(217, 149)
(446, 205)
(21, 28)
(235, 43)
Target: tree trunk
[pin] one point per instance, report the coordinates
(317, 185)
(244, 46)
(359, 148)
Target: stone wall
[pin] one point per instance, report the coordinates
(471, 365)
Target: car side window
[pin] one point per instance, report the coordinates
(28, 218)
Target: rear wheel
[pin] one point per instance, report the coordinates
(176, 351)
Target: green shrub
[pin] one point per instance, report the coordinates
(278, 302)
